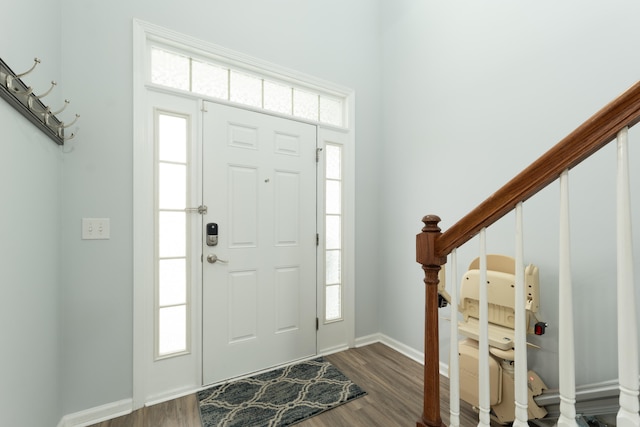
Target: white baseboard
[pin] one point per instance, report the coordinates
(176, 393)
(444, 369)
(331, 350)
(98, 414)
(410, 352)
(404, 349)
(368, 339)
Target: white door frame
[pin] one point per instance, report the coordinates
(331, 337)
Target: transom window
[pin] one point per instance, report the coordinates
(206, 77)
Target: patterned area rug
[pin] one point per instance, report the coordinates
(282, 397)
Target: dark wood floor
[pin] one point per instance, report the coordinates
(393, 383)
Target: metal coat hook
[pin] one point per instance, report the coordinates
(63, 126)
(36, 61)
(21, 97)
(55, 113)
(60, 132)
(48, 114)
(53, 84)
(34, 98)
(10, 79)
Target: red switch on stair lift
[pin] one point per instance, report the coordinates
(539, 328)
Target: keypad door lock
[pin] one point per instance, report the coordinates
(212, 234)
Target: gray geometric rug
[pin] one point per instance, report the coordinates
(279, 398)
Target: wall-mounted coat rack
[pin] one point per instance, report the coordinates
(21, 97)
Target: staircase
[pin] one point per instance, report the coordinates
(434, 248)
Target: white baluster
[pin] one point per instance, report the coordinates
(627, 318)
(521, 386)
(454, 370)
(484, 402)
(567, 380)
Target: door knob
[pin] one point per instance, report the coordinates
(213, 258)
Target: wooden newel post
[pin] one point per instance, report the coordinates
(431, 262)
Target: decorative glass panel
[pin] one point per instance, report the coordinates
(277, 97)
(305, 104)
(172, 325)
(333, 306)
(210, 80)
(246, 89)
(333, 232)
(333, 197)
(331, 111)
(332, 276)
(172, 183)
(172, 234)
(333, 156)
(172, 138)
(172, 275)
(170, 69)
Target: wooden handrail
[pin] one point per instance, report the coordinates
(588, 138)
(433, 247)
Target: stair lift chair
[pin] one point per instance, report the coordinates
(501, 300)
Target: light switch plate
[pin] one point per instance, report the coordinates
(95, 228)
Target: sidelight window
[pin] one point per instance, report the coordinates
(333, 233)
(172, 254)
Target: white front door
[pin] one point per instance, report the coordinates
(259, 297)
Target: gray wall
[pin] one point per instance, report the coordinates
(30, 194)
(332, 40)
(456, 97)
(472, 93)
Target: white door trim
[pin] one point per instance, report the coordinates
(143, 274)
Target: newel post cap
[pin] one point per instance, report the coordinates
(426, 242)
(431, 223)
